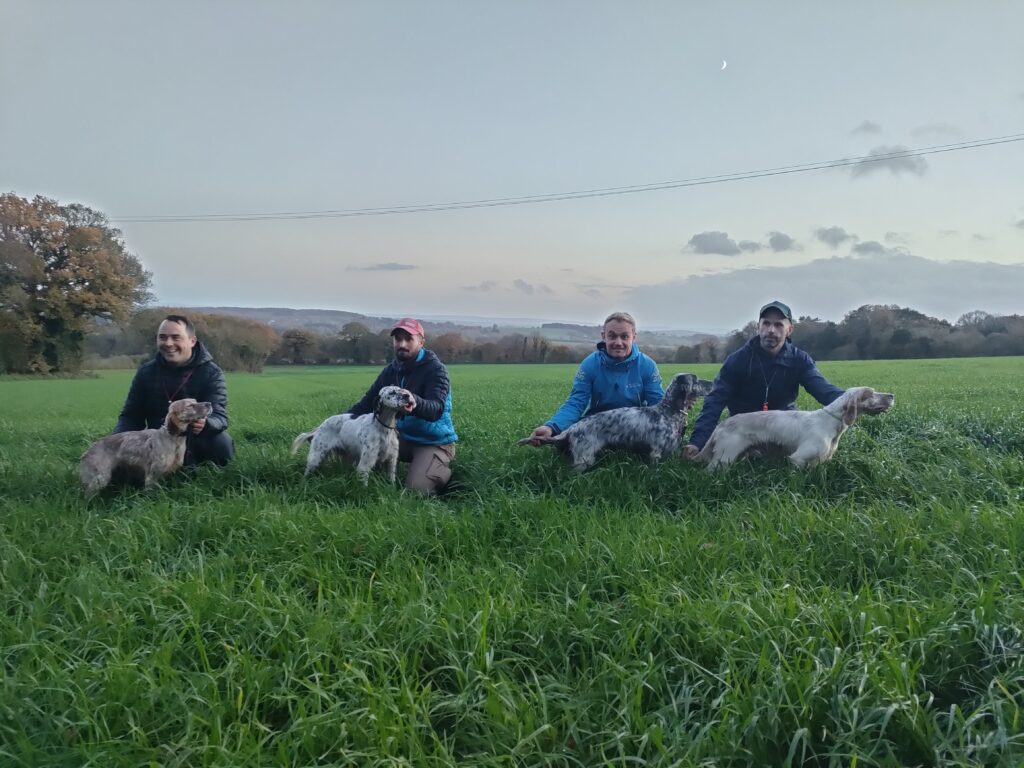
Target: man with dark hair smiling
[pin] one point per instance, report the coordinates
(182, 368)
(426, 436)
(765, 374)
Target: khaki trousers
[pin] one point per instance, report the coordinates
(429, 465)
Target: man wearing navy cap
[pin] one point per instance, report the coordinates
(765, 374)
(426, 436)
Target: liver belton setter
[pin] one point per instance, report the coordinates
(142, 457)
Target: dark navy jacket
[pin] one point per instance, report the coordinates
(427, 378)
(157, 383)
(750, 377)
(603, 383)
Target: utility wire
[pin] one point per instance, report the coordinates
(579, 194)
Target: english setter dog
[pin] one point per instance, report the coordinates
(366, 441)
(144, 456)
(806, 438)
(653, 430)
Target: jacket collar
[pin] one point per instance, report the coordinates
(608, 360)
(420, 357)
(200, 355)
(786, 356)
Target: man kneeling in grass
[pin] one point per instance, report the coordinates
(615, 375)
(181, 368)
(426, 436)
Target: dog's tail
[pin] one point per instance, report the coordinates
(305, 437)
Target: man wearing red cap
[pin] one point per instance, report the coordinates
(765, 374)
(426, 437)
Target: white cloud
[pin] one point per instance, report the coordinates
(780, 241)
(529, 288)
(871, 247)
(713, 242)
(834, 236)
(867, 127)
(879, 160)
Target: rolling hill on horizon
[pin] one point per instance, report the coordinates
(329, 321)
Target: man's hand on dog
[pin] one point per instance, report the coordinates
(542, 431)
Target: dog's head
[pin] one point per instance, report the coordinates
(684, 389)
(864, 401)
(393, 398)
(183, 412)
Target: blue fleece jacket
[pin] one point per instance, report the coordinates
(751, 377)
(603, 383)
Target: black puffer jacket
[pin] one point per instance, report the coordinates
(156, 384)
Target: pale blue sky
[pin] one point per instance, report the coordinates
(142, 109)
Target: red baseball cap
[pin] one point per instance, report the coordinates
(409, 325)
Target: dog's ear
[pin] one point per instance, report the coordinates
(171, 421)
(850, 409)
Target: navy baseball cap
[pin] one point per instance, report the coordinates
(777, 305)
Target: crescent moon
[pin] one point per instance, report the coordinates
(724, 63)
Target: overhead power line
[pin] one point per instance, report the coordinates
(578, 194)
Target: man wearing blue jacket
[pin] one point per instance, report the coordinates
(616, 375)
(426, 436)
(765, 374)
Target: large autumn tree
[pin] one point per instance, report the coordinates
(60, 267)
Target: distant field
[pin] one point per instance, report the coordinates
(867, 612)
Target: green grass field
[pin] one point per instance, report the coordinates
(867, 612)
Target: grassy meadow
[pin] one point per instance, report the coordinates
(867, 612)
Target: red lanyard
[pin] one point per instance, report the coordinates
(767, 383)
(181, 385)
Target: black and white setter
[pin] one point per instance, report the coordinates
(654, 431)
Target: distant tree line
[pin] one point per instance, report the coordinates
(875, 332)
(867, 333)
(236, 343)
(870, 332)
(357, 344)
